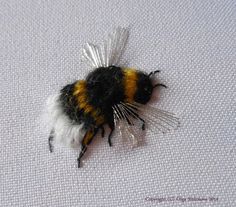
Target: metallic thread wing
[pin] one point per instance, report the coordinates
(126, 116)
(110, 52)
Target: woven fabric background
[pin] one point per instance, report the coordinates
(193, 43)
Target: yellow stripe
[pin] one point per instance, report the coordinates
(80, 92)
(80, 87)
(88, 137)
(130, 83)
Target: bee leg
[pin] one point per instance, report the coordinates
(88, 137)
(103, 131)
(153, 73)
(50, 140)
(83, 150)
(144, 123)
(136, 116)
(109, 137)
(142, 120)
(159, 84)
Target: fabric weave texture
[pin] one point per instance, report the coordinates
(193, 44)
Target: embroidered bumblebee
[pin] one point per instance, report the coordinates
(109, 95)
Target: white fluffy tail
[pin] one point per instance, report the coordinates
(64, 131)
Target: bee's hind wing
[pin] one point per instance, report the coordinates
(126, 125)
(108, 53)
(126, 116)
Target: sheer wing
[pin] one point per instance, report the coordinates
(110, 52)
(127, 116)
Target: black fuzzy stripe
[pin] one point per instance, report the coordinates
(71, 107)
(105, 87)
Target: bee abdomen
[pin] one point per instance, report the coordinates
(75, 104)
(69, 103)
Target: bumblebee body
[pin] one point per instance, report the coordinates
(90, 102)
(108, 95)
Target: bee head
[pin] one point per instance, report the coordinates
(144, 89)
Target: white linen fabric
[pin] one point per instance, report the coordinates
(193, 43)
